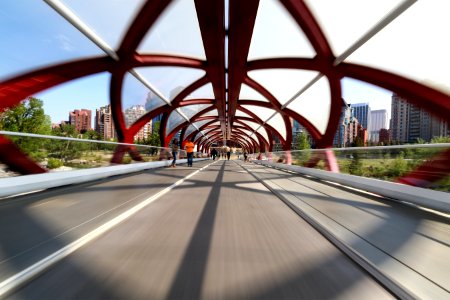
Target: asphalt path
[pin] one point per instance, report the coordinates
(218, 235)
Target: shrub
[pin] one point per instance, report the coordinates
(54, 163)
(355, 166)
(398, 167)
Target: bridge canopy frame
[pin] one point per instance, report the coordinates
(235, 64)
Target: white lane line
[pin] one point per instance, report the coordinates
(17, 280)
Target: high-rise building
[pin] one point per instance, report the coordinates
(340, 136)
(414, 123)
(378, 120)
(422, 125)
(363, 135)
(348, 127)
(352, 131)
(81, 119)
(104, 124)
(410, 123)
(384, 136)
(132, 114)
(297, 128)
(361, 111)
(399, 119)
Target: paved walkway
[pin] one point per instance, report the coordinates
(219, 235)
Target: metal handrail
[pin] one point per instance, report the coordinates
(408, 146)
(53, 137)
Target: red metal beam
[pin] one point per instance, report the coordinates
(262, 143)
(311, 64)
(208, 132)
(211, 19)
(188, 90)
(140, 26)
(305, 19)
(260, 136)
(288, 128)
(217, 138)
(269, 133)
(241, 22)
(194, 118)
(16, 89)
(260, 122)
(155, 60)
(197, 102)
(16, 160)
(194, 133)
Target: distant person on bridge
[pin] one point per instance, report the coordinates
(228, 152)
(174, 152)
(214, 154)
(190, 152)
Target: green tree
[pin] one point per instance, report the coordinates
(398, 166)
(303, 141)
(65, 130)
(358, 142)
(420, 141)
(28, 117)
(154, 138)
(92, 135)
(303, 144)
(440, 139)
(356, 166)
(66, 150)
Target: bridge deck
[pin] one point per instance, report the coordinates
(220, 234)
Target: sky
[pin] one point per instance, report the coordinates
(35, 36)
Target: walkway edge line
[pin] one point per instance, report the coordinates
(14, 282)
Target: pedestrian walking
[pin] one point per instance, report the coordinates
(174, 152)
(190, 152)
(214, 153)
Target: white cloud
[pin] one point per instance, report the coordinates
(64, 43)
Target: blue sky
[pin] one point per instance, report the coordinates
(36, 36)
(90, 92)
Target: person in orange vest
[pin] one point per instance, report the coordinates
(190, 152)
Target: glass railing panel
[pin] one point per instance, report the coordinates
(56, 153)
(416, 163)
